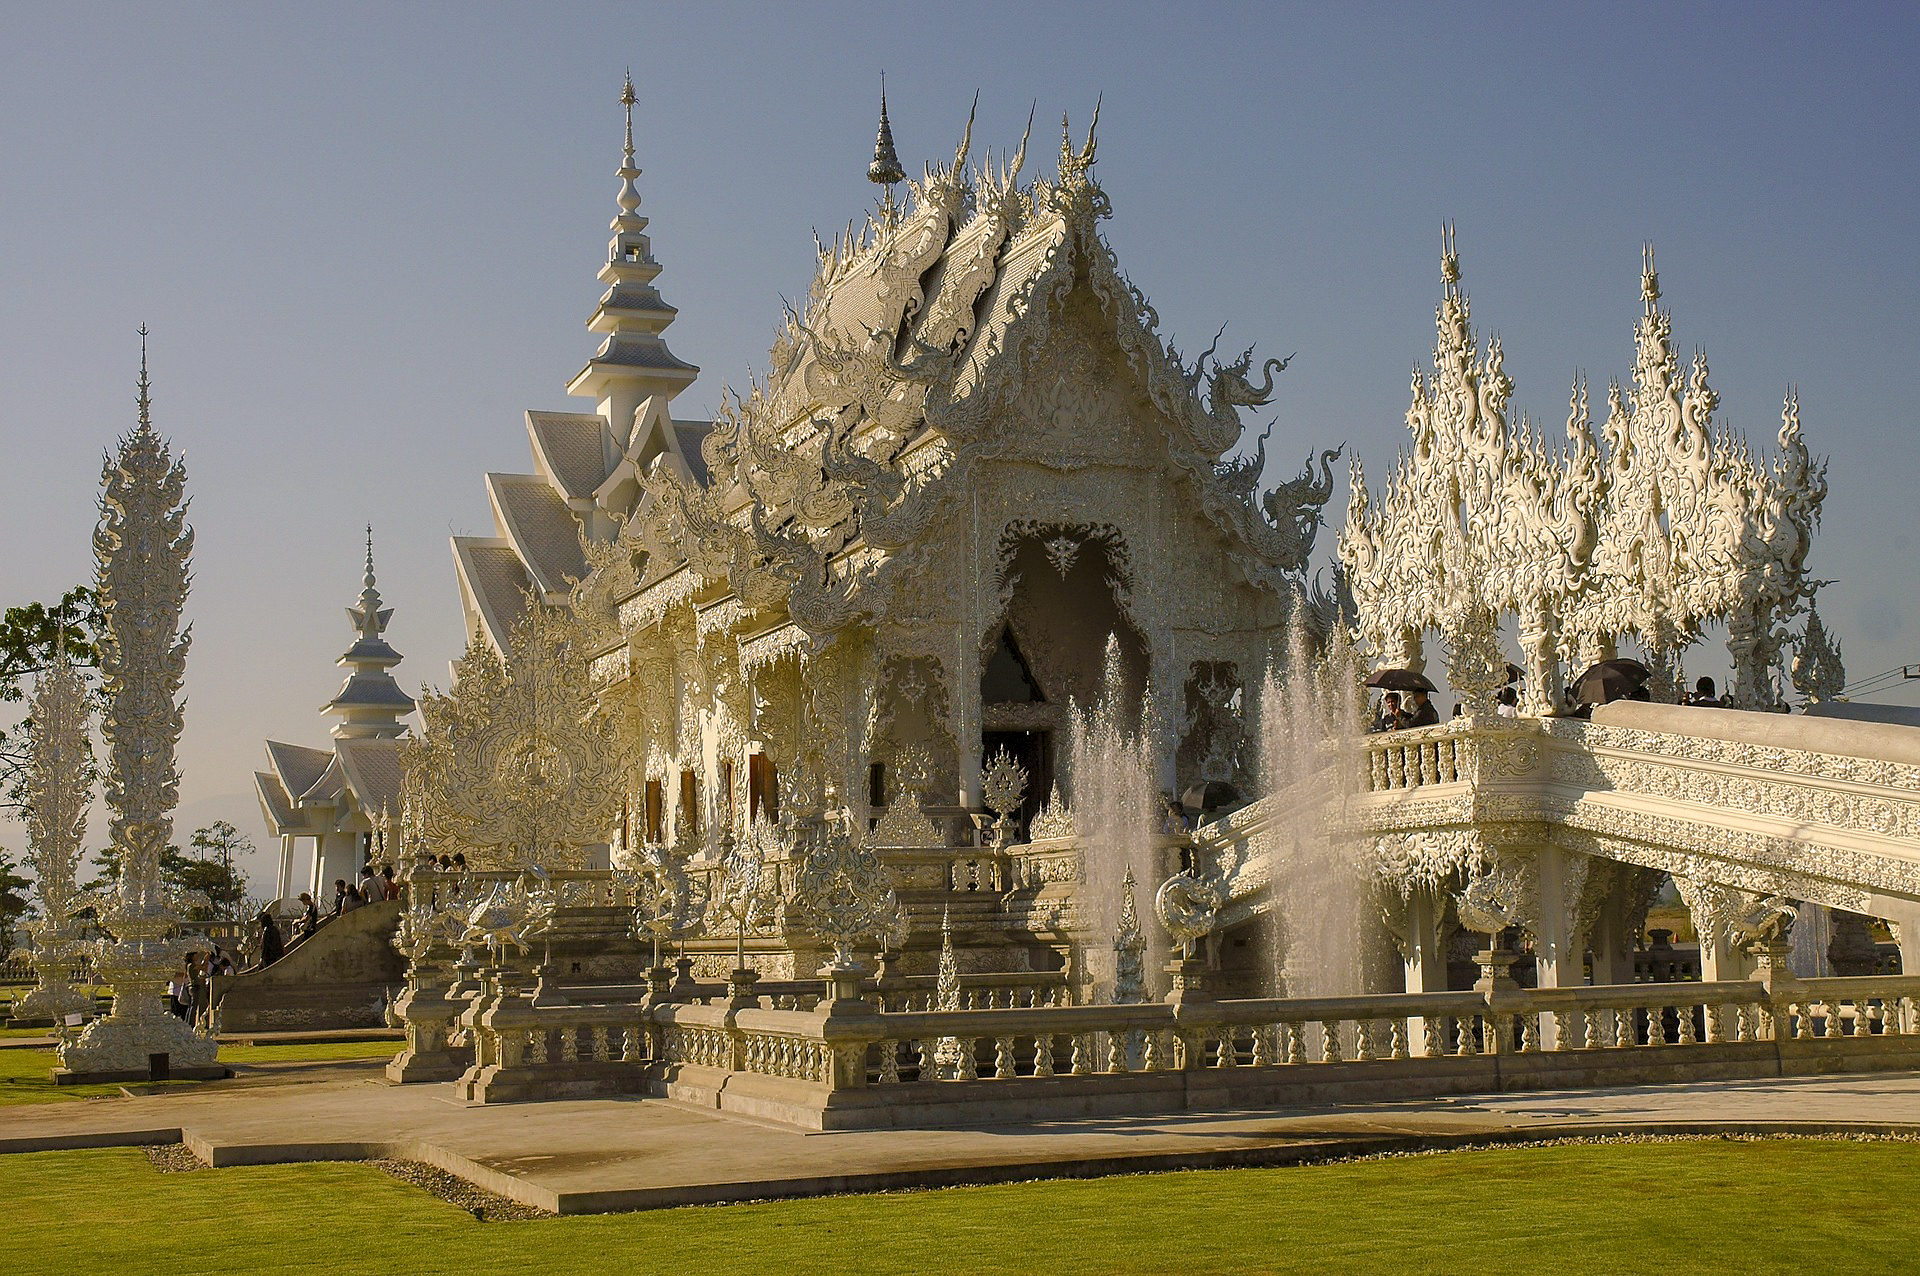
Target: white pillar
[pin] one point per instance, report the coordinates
(1611, 946)
(1558, 952)
(1426, 959)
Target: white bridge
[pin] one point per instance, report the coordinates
(1577, 818)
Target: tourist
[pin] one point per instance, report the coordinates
(179, 992)
(1422, 713)
(1705, 695)
(309, 917)
(372, 890)
(272, 947)
(1173, 823)
(389, 883)
(1508, 704)
(352, 900)
(459, 861)
(339, 896)
(197, 971)
(1388, 717)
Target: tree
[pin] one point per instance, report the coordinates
(30, 639)
(13, 902)
(211, 869)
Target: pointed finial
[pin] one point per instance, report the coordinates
(1086, 154)
(369, 577)
(885, 169)
(629, 197)
(1020, 156)
(1449, 259)
(966, 138)
(1649, 277)
(627, 99)
(144, 399)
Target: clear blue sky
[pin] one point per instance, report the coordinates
(364, 237)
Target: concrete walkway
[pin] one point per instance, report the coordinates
(621, 1154)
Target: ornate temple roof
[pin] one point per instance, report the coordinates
(899, 374)
(891, 381)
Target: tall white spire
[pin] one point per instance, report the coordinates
(633, 362)
(370, 702)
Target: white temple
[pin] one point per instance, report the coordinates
(971, 465)
(328, 806)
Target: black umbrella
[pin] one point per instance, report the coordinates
(1209, 796)
(1610, 680)
(1399, 680)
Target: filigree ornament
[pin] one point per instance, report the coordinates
(1129, 950)
(515, 769)
(1055, 818)
(1003, 785)
(1062, 552)
(59, 789)
(666, 903)
(842, 892)
(1818, 673)
(1662, 524)
(744, 895)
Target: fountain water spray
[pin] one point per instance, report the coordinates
(1116, 813)
(1321, 922)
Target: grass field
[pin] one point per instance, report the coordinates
(26, 1075)
(1695, 1206)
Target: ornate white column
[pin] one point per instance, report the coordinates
(59, 790)
(142, 544)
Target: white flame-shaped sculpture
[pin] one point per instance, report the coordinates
(143, 545)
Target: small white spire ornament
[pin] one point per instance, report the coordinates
(143, 545)
(885, 171)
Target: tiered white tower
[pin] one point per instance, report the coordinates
(633, 363)
(370, 704)
(143, 545)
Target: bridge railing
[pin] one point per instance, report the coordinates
(1389, 1043)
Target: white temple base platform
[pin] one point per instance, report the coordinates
(214, 1072)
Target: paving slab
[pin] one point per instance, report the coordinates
(592, 1155)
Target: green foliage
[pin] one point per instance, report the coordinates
(30, 639)
(13, 901)
(213, 870)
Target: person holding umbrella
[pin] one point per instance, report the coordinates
(1418, 714)
(1388, 717)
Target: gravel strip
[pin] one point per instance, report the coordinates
(455, 1190)
(173, 1158)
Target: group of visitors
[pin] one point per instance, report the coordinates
(1394, 714)
(373, 887)
(187, 989)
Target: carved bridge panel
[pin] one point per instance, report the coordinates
(1815, 809)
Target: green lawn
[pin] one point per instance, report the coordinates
(1696, 1206)
(26, 1075)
